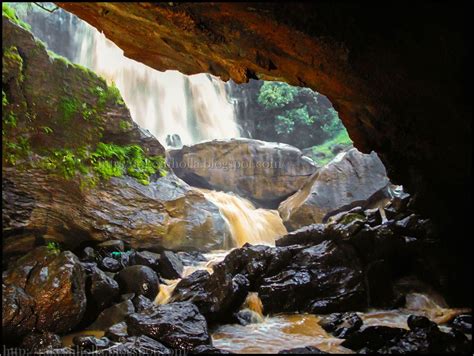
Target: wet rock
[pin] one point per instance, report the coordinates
(113, 315)
(103, 289)
(424, 337)
(109, 246)
(209, 350)
(246, 316)
(191, 258)
(320, 279)
(177, 325)
(91, 343)
(303, 350)
(89, 255)
(117, 332)
(216, 295)
(140, 345)
(141, 280)
(341, 324)
(171, 266)
(146, 258)
(372, 337)
(43, 291)
(110, 264)
(416, 322)
(60, 351)
(268, 184)
(141, 303)
(311, 234)
(350, 179)
(463, 323)
(41, 342)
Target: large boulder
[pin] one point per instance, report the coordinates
(348, 180)
(263, 172)
(43, 291)
(179, 326)
(166, 213)
(323, 278)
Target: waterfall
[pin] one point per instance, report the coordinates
(195, 107)
(246, 223)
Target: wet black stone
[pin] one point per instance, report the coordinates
(113, 315)
(415, 322)
(341, 324)
(117, 332)
(303, 350)
(463, 323)
(107, 247)
(176, 325)
(90, 343)
(171, 266)
(209, 350)
(110, 264)
(141, 280)
(145, 258)
(41, 341)
(191, 258)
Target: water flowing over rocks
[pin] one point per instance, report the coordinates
(349, 179)
(264, 172)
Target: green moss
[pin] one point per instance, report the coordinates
(68, 107)
(12, 53)
(9, 12)
(106, 161)
(53, 247)
(348, 218)
(13, 63)
(124, 125)
(66, 62)
(325, 149)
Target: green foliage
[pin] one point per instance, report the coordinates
(295, 115)
(68, 107)
(46, 129)
(276, 95)
(15, 150)
(124, 125)
(333, 125)
(9, 12)
(110, 94)
(114, 94)
(59, 58)
(107, 161)
(53, 247)
(323, 154)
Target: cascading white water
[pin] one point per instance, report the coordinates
(195, 107)
(161, 101)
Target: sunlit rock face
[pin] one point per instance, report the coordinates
(350, 179)
(264, 172)
(398, 86)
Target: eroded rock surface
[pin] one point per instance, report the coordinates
(263, 172)
(350, 178)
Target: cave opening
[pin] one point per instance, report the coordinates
(260, 179)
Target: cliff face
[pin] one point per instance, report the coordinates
(76, 167)
(395, 74)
